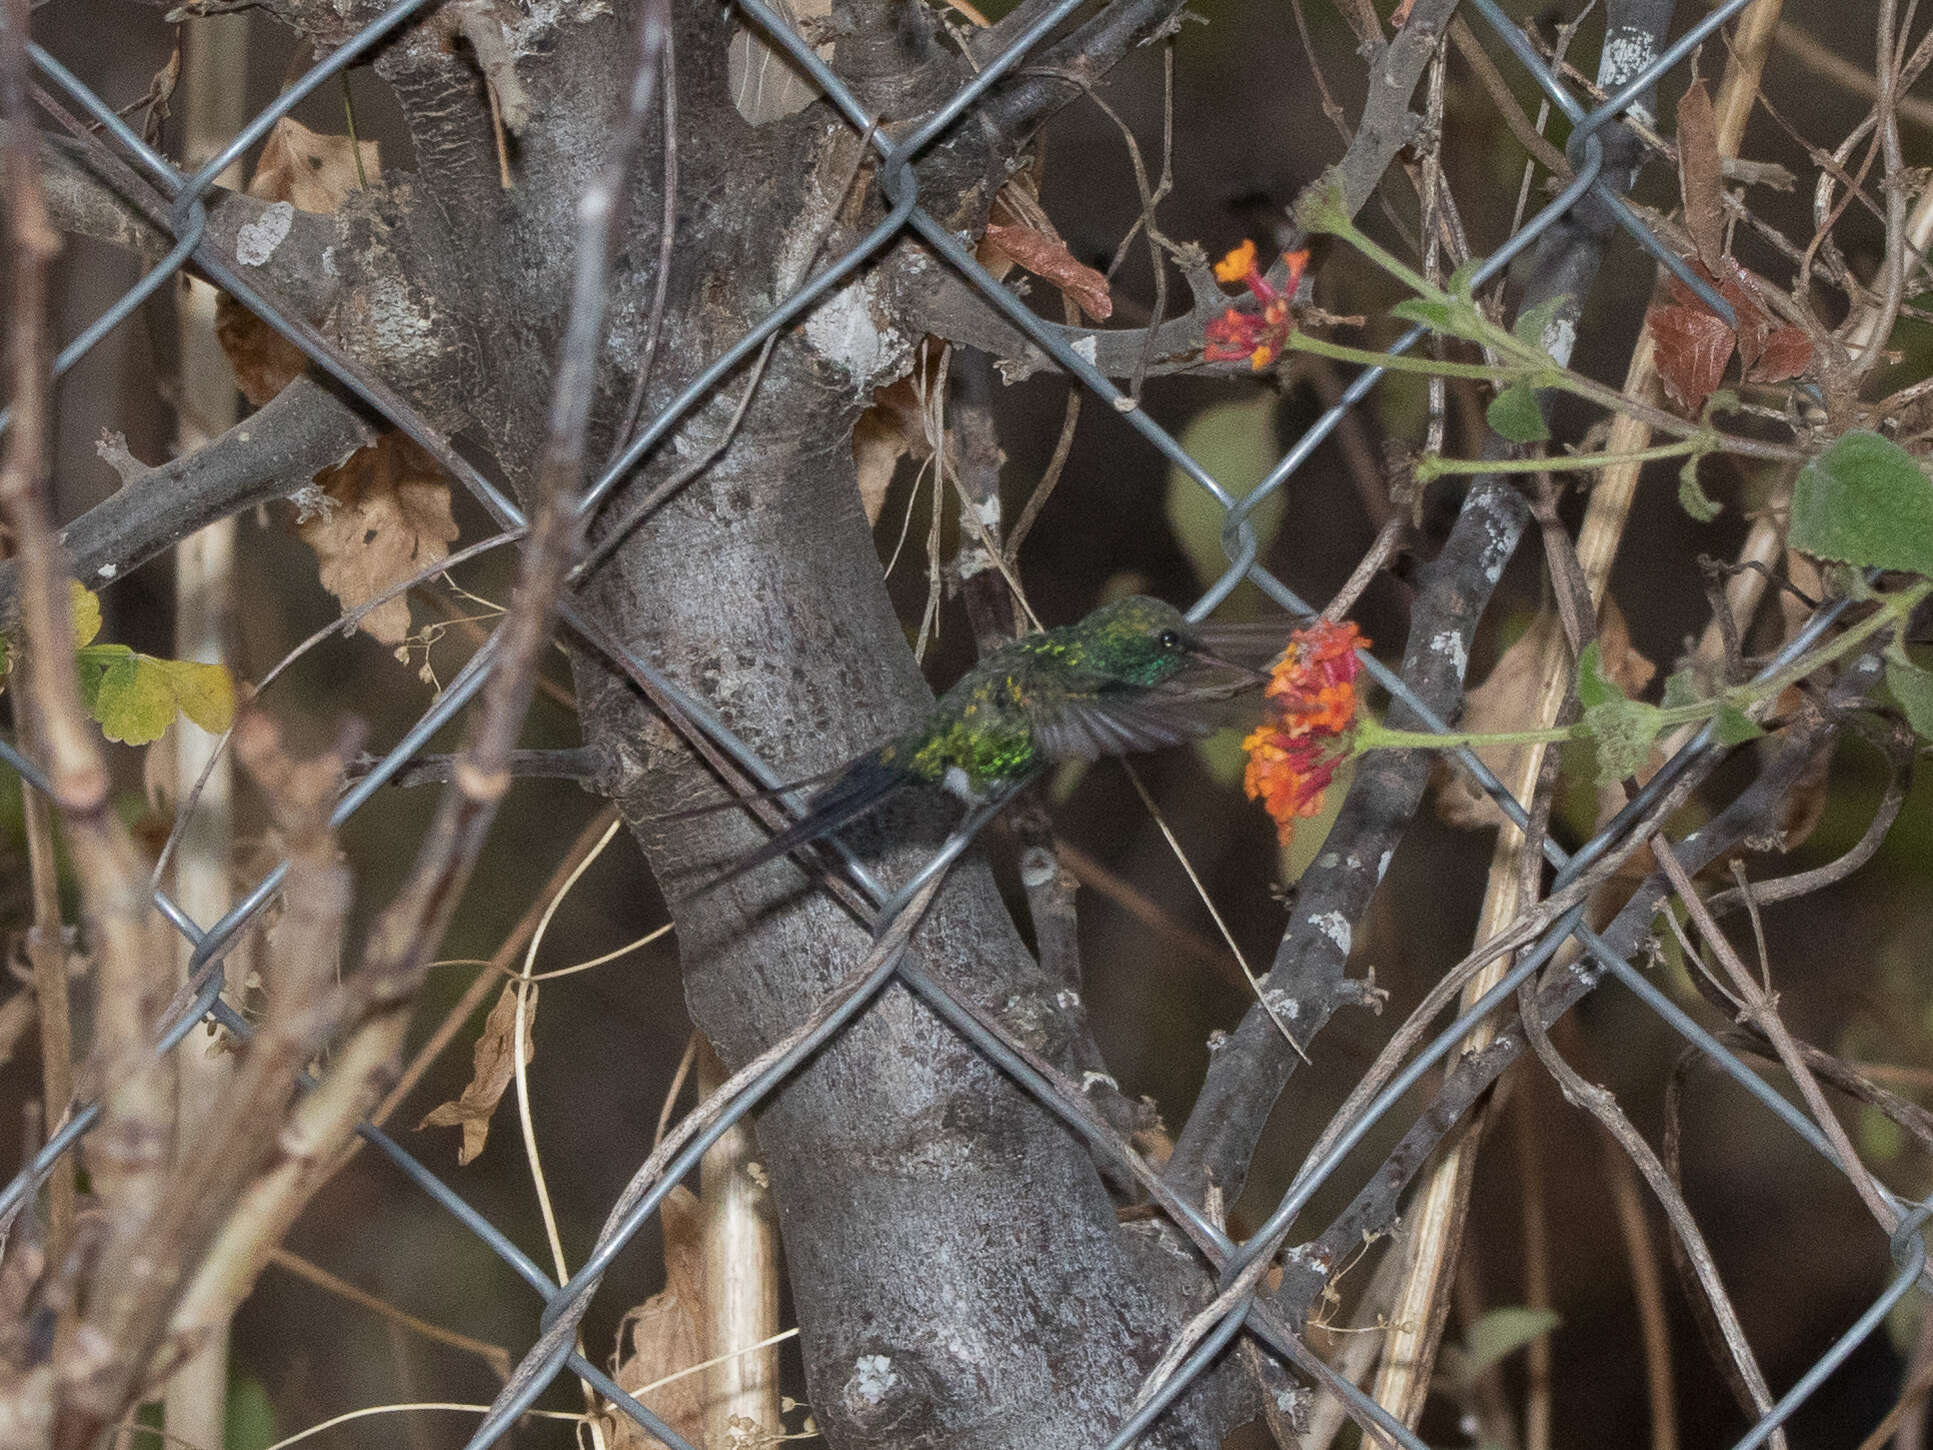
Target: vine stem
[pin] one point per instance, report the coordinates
(1372, 734)
(1433, 466)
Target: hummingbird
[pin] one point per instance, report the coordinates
(1133, 675)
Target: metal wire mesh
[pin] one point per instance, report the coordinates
(553, 1354)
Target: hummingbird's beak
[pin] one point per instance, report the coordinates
(1203, 655)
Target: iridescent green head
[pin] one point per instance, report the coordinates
(1137, 640)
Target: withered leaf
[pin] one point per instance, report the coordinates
(493, 1065)
(1047, 256)
(388, 516)
(664, 1335)
(1698, 175)
(766, 85)
(311, 172)
(1694, 345)
(1508, 697)
(1788, 352)
(892, 429)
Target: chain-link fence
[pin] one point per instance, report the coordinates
(1242, 1308)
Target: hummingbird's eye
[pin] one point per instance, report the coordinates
(1170, 639)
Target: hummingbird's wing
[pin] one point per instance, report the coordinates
(1083, 725)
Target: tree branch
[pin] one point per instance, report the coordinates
(274, 452)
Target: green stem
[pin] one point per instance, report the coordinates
(1892, 608)
(1372, 734)
(1432, 466)
(1482, 372)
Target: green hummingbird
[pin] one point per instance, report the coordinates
(1133, 675)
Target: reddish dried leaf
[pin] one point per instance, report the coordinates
(1694, 345)
(493, 1065)
(1048, 257)
(1788, 352)
(1698, 175)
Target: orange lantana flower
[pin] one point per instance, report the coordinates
(1310, 709)
(1257, 336)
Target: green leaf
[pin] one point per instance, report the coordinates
(135, 702)
(1463, 280)
(1531, 326)
(1500, 1333)
(1622, 730)
(1594, 687)
(1438, 316)
(1222, 757)
(1912, 688)
(1692, 497)
(250, 1417)
(1732, 726)
(1880, 1138)
(204, 693)
(86, 605)
(92, 663)
(1681, 689)
(1236, 443)
(1513, 413)
(1865, 501)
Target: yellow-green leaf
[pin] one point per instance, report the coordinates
(87, 613)
(204, 693)
(135, 702)
(91, 663)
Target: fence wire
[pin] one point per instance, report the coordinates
(562, 1306)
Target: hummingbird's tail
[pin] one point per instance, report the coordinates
(863, 786)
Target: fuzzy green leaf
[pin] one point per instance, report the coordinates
(1594, 687)
(1732, 726)
(1513, 413)
(1681, 689)
(1865, 501)
(1437, 316)
(1531, 326)
(1622, 731)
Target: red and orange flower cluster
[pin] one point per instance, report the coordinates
(1257, 336)
(1310, 709)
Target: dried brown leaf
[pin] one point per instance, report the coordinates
(312, 172)
(1694, 345)
(1507, 700)
(1047, 256)
(888, 431)
(766, 84)
(1699, 175)
(493, 1065)
(387, 516)
(665, 1334)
